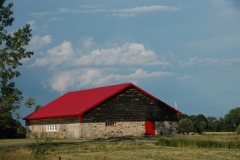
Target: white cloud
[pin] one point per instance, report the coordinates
(128, 54)
(38, 42)
(41, 14)
(66, 10)
(56, 55)
(62, 81)
(184, 77)
(121, 13)
(32, 24)
(56, 19)
(209, 62)
(96, 77)
(88, 42)
(147, 9)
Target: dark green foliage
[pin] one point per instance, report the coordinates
(12, 51)
(238, 130)
(212, 124)
(200, 123)
(182, 116)
(8, 126)
(185, 125)
(197, 143)
(233, 117)
(42, 147)
(229, 123)
(30, 102)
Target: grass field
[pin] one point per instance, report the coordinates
(218, 133)
(140, 148)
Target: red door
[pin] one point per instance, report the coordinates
(149, 127)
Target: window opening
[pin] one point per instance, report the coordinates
(51, 127)
(110, 124)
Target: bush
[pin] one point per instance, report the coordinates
(42, 147)
(185, 125)
(238, 130)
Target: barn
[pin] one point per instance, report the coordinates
(109, 111)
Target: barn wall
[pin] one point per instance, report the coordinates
(130, 105)
(66, 120)
(63, 131)
(99, 130)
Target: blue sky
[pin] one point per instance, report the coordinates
(179, 51)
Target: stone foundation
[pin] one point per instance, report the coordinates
(99, 129)
(166, 128)
(63, 131)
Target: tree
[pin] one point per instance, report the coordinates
(212, 124)
(200, 123)
(12, 51)
(30, 102)
(181, 116)
(185, 125)
(233, 117)
(238, 130)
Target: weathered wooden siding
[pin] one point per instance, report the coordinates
(66, 120)
(130, 105)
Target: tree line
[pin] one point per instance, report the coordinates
(199, 123)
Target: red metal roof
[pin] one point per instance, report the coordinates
(78, 102)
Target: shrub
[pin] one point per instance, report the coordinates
(185, 125)
(42, 147)
(238, 130)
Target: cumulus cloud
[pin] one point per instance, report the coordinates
(88, 42)
(38, 42)
(100, 66)
(62, 81)
(128, 54)
(210, 62)
(97, 77)
(56, 55)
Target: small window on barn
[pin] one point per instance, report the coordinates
(52, 127)
(110, 124)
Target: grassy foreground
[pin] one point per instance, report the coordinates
(129, 148)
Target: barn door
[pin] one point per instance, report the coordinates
(149, 127)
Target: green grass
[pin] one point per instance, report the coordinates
(136, 148)
(218, 133)
(180, 142)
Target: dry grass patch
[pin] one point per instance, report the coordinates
(136, 148)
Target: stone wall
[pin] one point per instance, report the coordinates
(63, 131)
(166, 128)
(99, 130)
